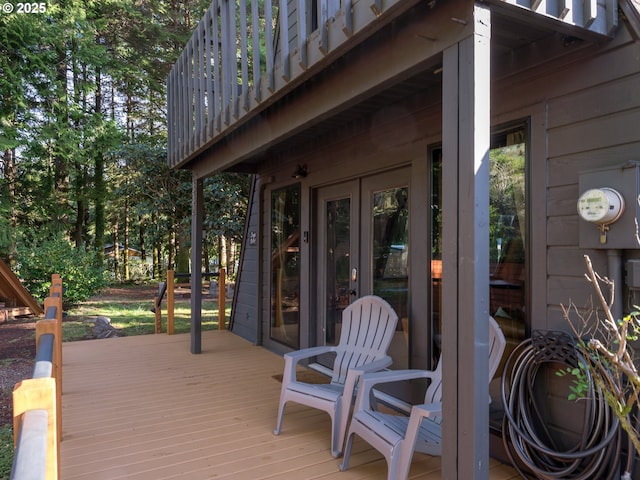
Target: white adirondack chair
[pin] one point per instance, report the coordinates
(398, 436)
(368, 326)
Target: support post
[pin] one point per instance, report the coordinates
(197, 214)
(222, 298)
(465, 287)
(170, 302)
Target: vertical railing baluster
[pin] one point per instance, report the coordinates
(215, 6)
(226, 62)
(184, 124)
(170, 125)
(283, 17)
(189, 104)
(255, 22)
(244, 54)
(348, 19)
(323, 16)
(233, 60)
(302, 33)
(208, 38)
(269, 41)
(204, 105)
(197, 91)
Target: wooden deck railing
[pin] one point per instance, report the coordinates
(168, 288)
(37, 405)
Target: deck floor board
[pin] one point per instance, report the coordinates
(144, 407)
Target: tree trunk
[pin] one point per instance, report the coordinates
(223, 251)
(143, 248)
(125, 252)
(156, 261)
(116, 252)
(172, 249)
(10, 177)
(99, 187)
(61, 148)
(205, 257)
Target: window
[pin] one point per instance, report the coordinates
(507, 236)
(285, 266)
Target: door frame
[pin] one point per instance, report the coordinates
(323, 195)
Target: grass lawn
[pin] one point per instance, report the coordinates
(135, 317)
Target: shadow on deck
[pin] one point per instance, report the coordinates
(145, 408)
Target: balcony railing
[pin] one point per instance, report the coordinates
(245, 52)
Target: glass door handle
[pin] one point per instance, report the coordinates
(354, 279)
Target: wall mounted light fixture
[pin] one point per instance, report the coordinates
(300, 172)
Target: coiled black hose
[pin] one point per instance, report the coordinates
(525, 433)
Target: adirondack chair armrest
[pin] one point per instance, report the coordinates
(427, 410)
(354, 374)
(371, 367)
(370, 380)
(292, 359)
(418, 413)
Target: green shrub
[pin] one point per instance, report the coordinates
(81, 276)
(6, 451)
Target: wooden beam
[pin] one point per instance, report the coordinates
(465, 288)
(197, 215)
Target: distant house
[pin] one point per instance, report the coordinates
(430, 152)
(110, 250)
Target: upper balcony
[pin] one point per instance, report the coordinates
(247, 55)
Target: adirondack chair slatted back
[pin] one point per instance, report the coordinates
(434, 390)
(368, 326)
(497, 343)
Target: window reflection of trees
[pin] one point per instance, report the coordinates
(285, 265)
(391, 246)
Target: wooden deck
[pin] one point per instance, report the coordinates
(145, 408)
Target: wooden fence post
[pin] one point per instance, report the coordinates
(170, 302)
(158, 314)
(55, 325)
(222, 299)
(56, 302)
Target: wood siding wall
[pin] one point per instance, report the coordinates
(584, 110)
(592, 118)
(245, 309)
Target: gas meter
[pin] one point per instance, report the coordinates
(604, 205)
